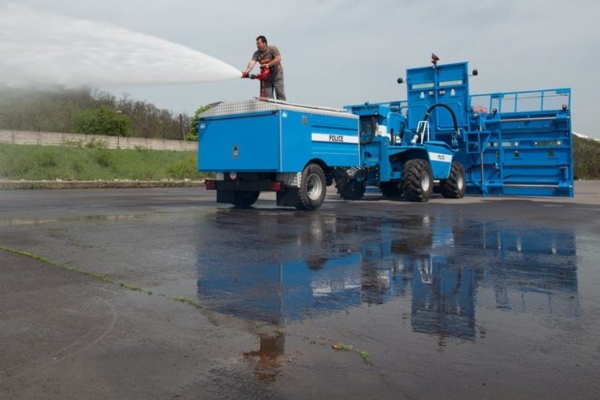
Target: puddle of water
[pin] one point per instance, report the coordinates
(448, 272)
(426, 281)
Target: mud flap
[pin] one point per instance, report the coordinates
(288, 197)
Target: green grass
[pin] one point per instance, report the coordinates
(188, 301)
(74, 162)
(94, 161)
(131, 287)
(348, 347)
(56, 264)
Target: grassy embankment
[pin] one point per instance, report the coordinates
(94, 162)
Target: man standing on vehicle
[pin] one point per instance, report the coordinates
(268, 57)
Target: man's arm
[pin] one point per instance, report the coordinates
(249, 68)
(277, 56)
(274, 61)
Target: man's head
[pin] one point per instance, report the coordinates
(261, 43)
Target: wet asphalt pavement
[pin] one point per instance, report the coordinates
(163, 294)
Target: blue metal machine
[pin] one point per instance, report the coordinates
(441, 139)
(517, 143)
(260, 145)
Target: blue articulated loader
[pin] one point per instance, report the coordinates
(440, 140)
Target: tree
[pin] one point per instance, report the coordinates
(103, 120)
(38, 111)
(78, 110)
(193, 132)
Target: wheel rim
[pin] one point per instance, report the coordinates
(460, 183)
(314, 186)
(425, 182)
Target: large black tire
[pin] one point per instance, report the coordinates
(454, 187)
(313, 188)
(351, 190)
(244, 199)
(417, 180)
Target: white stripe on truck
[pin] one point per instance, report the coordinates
(327, 137)
(440, 157)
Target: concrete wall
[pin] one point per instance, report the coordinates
(112, 142)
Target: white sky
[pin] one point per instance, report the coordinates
(338, 52)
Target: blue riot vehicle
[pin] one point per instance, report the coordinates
(441, 139)
(260, 145)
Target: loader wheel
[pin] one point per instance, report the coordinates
(351, 190)
(312, 188)
(417, 180)
(245, 198)
(454, 187)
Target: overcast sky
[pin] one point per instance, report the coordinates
(338, 52)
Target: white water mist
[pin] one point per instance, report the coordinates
(39, 49)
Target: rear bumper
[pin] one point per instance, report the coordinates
(241, 185)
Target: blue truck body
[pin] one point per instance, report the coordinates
(261, 136)
(260, 145)
(441, 139)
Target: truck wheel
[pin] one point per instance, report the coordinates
(245, 198)
(454, 187)
(351, 190)
(417, 180)
(312, 188)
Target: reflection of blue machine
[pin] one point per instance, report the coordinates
(443, 299)
(534, 273)
(443, 291)
(441, 269)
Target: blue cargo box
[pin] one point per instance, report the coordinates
(259, 135)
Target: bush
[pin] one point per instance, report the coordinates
(587, 158)
(102, 121)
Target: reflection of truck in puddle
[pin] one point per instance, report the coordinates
(446, 268)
